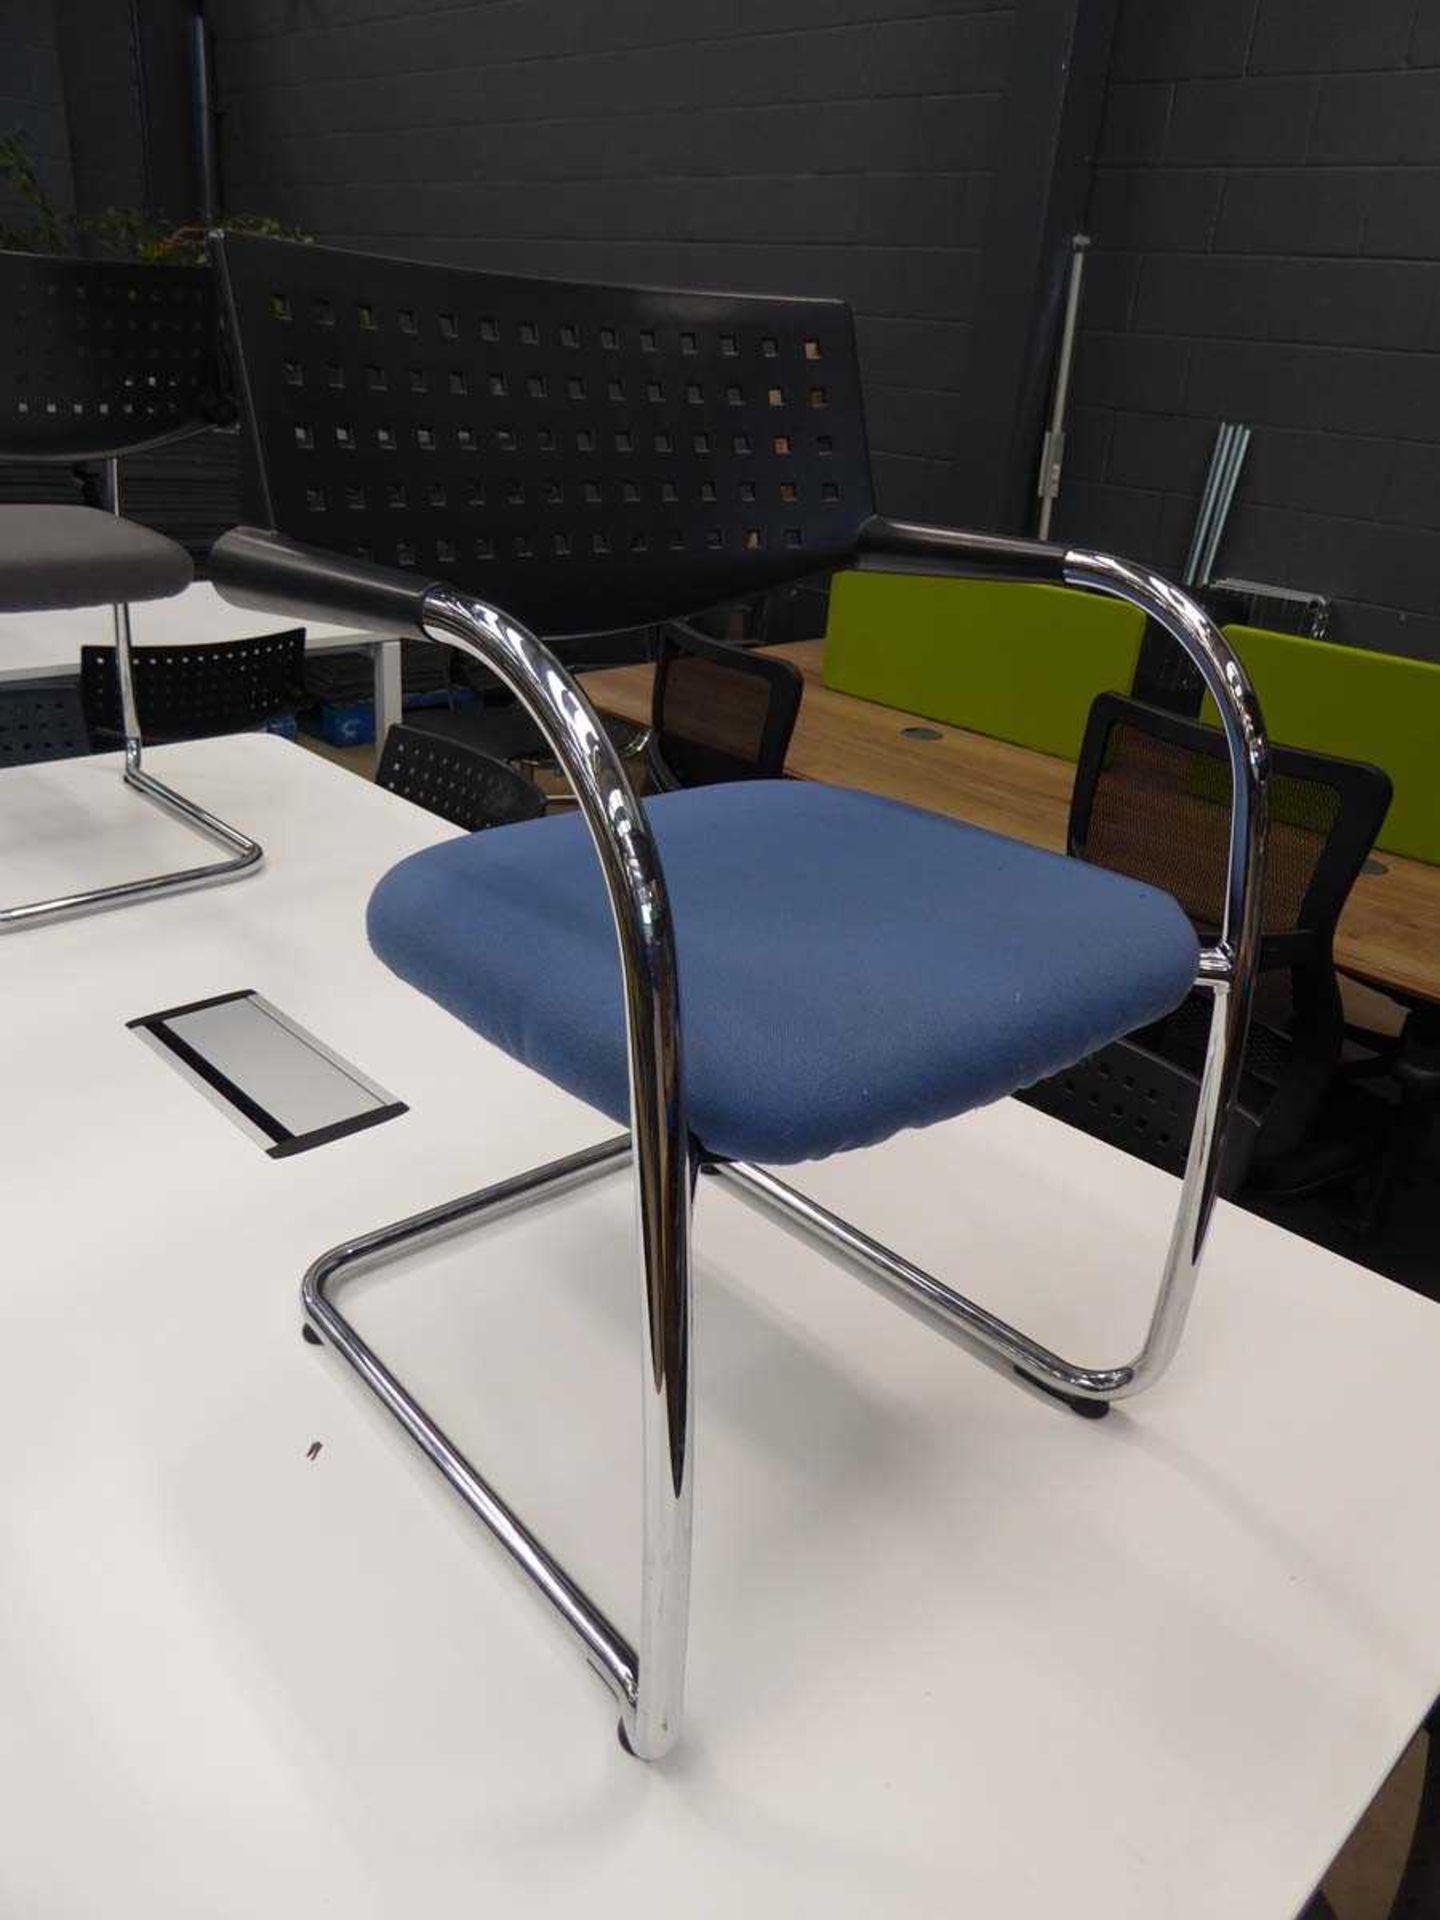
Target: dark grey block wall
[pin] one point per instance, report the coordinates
(32, 100)
(841, 147)
(1267, 211)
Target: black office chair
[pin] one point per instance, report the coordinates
(719, 712)
(455, 781)
(194, 692)
(102, 358)
(479, 459)
(41, 723)
(1152, 800)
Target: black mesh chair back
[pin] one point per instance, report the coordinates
(1151, 799)
(102, 357)
(585, 457)
(41, 723)
(456, 781)
(719, 712)
(188, 693)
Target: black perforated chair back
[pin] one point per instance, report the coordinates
(720, 712)
(456, 781)
(584, 457)
(41, 723)
(188, 693)
(102, 357)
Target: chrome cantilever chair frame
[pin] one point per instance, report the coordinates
(112, 358)
(243, 854)
(648, 1682)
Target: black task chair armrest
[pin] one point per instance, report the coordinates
(253, 567)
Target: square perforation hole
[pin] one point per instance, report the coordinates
(700, 442)
(294, 374)
(663, 443)
(404, 553)
(585, 441)
(385, 437)
(789, 491)
(345, 437)
(355, 499)
(654, 392)
(688, 343)
(305, 439)
(323, 313)
(435, 494)
(754, 540)
(734, 397)
(425, 439)
(395, 495)
(544, 440)
(445, 552)
(537, 386)
(829, 492)
(793, 537)
(819, 396)
(506, 440)
(560, 545)
(570, 337)
(669, 492)
(376, 380)
(647, 340)
(747, 491)
(449, 326)
(497, 386)
(574, 387)
(514, 493)
(629, 493)
(280, 308)
(419, 380)
(675, 540)
(590, 494)
(624, 443)
(489, 329)
(334, 375)
(599, 543)
(484, 548)
(457, 381)
(529, 334)
(609, 339)
(707, 491)
(465, 439)
(407, 321)
(811, 349)
(553, 493)
(741, 443)
(729, 346)
(615, 390)
(774, 396)
(475, 493)
(315, 499)
(714, 538)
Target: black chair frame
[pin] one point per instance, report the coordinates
(1278, 1116)
(456, 781)
(481, 460)
(105, 358)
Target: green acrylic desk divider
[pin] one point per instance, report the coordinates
(1357, 705)
(1009, 659)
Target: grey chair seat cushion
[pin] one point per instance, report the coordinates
(79, 557)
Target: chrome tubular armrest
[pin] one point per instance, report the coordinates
(1226, 970)
(630, 863)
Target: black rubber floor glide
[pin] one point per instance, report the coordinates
(1087, 1409)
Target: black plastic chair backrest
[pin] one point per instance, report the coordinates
(456, 781)
(583, 457)
(101, 357)
(1152, 799)
(189, 693)
(719, 712)
(41, 723)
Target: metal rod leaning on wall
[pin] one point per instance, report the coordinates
(1229, 481)
(1052, 447)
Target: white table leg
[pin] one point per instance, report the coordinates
(388, 695)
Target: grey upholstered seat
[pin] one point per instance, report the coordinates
(79, 557)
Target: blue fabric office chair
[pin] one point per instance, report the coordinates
(800, 970)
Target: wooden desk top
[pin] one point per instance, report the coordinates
(1389, 933)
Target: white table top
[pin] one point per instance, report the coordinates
(34, 646)
(954, 1651)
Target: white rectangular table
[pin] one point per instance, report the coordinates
(42, 646)
(954, 1651)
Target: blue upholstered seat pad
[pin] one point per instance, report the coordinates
(848, 966)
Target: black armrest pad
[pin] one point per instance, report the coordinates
(251, 567)
(922, 549)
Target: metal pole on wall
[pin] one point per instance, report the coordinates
(201, 82)
(1052, 447)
